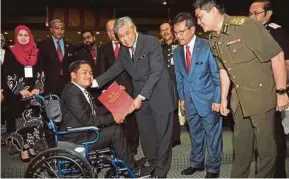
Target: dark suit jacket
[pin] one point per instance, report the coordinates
(107, 56)
(150, 75)
(98, 67)
(76, 110)
(52, 65)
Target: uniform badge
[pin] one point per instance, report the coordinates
(233, 42)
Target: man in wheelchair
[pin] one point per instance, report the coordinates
(79, 110)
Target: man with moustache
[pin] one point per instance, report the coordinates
(153, 92)
(56, 55)
(250, 59)
(261, 11)
(169, 44)
(109, 54)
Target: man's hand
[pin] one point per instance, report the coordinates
(118, 118)
(223, 108)
(282, 102)
(122, 87)
(2, 96)
(35, 91)
(182, 104)
(136, 104)
(25, 93)
(216, 107)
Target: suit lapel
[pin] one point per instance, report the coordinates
(196, 52)
(183, 60)
(138, 46)
(53, 49)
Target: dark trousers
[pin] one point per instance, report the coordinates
(156, 138)
(131, 132)
(280, 138)
(206, 135)
(261, 127)
(112, 136)
(176, 127)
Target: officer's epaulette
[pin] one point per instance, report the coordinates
(274, 26)
(237, 20)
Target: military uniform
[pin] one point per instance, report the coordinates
(244, 49)
(282, 38)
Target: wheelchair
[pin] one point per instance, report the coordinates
(66, 159)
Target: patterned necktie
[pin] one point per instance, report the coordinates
(188, 59)
(90, 102)
(132, 53)
(116, 50)
(59, 51)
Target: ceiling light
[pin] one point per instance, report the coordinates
(165, 3)
(5, 33)
(97, 33)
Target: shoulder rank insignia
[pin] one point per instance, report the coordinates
(238, 20)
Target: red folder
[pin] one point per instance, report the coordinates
(116, 100)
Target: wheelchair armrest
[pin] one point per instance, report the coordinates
(83, 129)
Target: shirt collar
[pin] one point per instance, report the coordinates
(55, 39)
(191, 43)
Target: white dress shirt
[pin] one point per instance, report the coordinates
(191, 44)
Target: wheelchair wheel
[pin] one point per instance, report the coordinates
(65, 163)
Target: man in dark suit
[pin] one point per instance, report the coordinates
(153, 92)
(56, 55)
(169, 44)
(199, 90)
(79, 110)
(90, 52)
(109, 54)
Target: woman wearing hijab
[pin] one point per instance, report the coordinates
(22, 77)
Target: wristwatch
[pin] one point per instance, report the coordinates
(281, 91)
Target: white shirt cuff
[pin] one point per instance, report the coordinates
(94, 84)
(143, 98)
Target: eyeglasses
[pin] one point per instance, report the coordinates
(181, 32)
(255, 13)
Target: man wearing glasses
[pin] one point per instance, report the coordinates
(198, 84)
(261, 11)
(253, 62)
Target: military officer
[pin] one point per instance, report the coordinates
(261, 11)
(250, 59)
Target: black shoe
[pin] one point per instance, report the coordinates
(191, 170)
(175, 143)
(144, 172)
(212, 175)
(156, 176)
(140, 163)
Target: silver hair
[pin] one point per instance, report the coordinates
(56, 21)
(121, 21)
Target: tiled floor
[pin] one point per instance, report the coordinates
(13, 167)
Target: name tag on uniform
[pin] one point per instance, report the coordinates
(28, 71)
